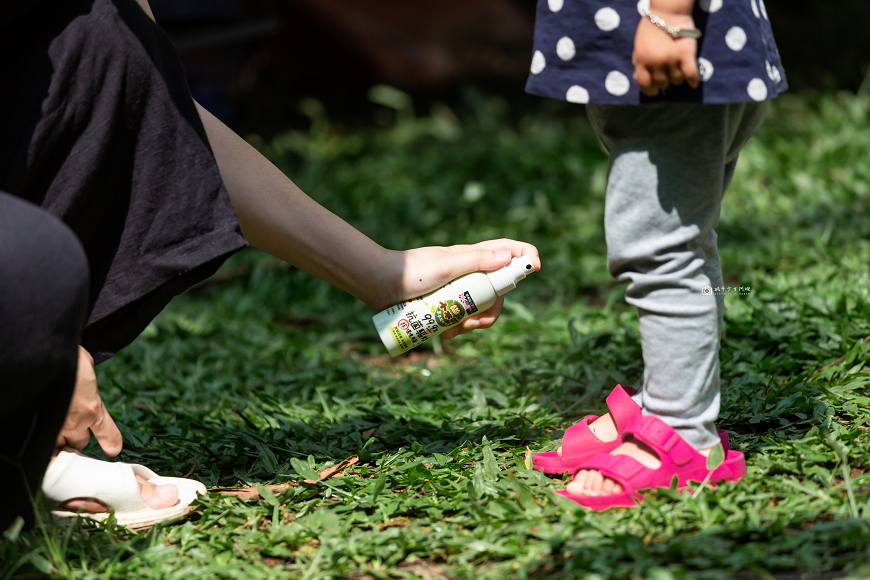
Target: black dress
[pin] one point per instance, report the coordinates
(98, 128)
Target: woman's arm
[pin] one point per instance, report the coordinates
(278, 218)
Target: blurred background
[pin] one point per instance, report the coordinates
(251, 61)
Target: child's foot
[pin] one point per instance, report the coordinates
(155, 496)
(591, 483)
(603, 427)
(591, 435)
(650, 455)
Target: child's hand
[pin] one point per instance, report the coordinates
(661, 59)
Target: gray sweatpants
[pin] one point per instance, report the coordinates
(669, 167)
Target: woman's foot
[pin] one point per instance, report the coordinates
(155, 496)
(604, 427)
(591, 483)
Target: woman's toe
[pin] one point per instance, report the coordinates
(158, 496)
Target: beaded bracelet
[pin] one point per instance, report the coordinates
(672, 30)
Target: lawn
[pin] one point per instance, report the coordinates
(260, 380)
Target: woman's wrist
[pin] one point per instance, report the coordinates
(387, 289)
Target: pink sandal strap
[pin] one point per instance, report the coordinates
(622, 407)
(578, 438)
(621, 468)
(663, 439)
(677, 457)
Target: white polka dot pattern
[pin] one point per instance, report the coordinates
(565, 48)
(757, 89)
(617, 83)
(705, 69)
(577, 94)
(538, 62)
(710, 5)
(607, 19)
(735, 38)
(773, 72)
(583, 49)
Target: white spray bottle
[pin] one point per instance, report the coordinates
(413, 322)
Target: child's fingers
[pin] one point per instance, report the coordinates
(641, 75)
(675, 75)
(659, 81)
(644, 81)
(660, 78)
(689, 68)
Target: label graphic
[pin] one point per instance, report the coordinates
(404, 324)
(449, 312)
(468, 303)
(401, 339)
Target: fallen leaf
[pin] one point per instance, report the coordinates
(368, 434)
(527, 460)
(271, 562)
(330, 471)
(247, 493)
(423, 569)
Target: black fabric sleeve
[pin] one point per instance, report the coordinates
(103, 133)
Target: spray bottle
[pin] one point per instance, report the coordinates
(413, 322)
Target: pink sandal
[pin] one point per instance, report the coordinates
(579, 442)
(677, 457)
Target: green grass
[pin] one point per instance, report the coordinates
(267, 375)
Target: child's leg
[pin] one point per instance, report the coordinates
(670, 165)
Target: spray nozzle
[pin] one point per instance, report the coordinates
(505, 279)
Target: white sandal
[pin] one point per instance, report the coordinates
(72, 475)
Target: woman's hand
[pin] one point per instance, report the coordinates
(661, 59)
(87, 413)
(417, 272)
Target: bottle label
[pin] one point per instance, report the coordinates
(402, 340)
(449, 312)
(396, 308)
(468, 302)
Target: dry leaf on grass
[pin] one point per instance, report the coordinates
(251, 492)
(423, 569)
(247, 493)
(337, 469)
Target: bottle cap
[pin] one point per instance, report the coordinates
(505, 279)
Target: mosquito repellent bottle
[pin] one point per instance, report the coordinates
(411, 323)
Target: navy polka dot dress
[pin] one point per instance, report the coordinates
(582, 53)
